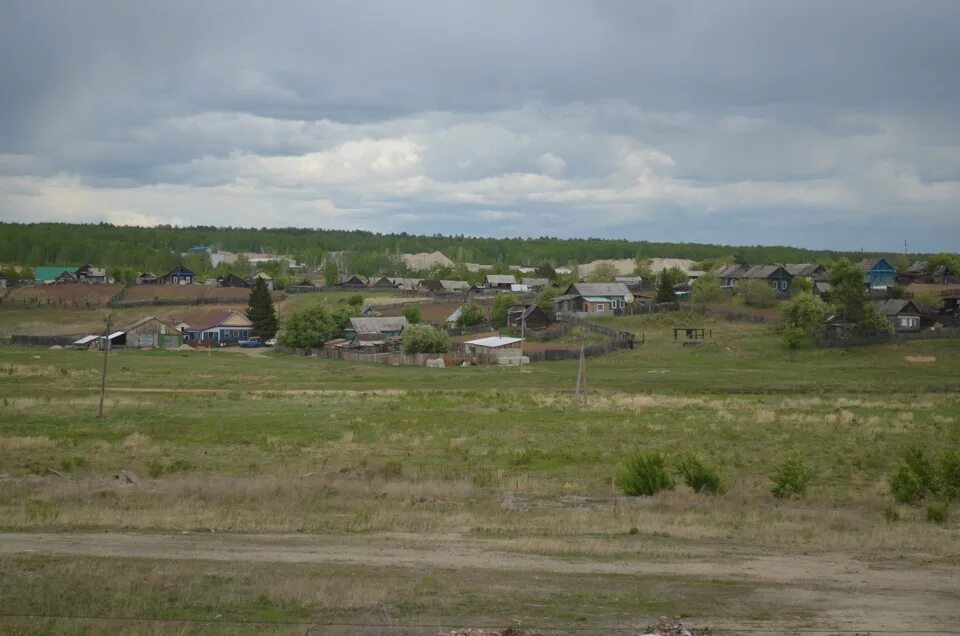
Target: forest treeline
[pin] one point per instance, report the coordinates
(160, 248)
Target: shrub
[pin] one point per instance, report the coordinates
(413, 314)
(891, 514)
(706, 289)
(950, 474)
(312, 327)
(425, 339)
(470, 315)
(905, 486)
(500, 307)
(937, 513)
(757, 293)
(791, 478)
(155, 469)
(699, 475)
(645, 474)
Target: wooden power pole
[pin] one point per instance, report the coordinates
(103, 376)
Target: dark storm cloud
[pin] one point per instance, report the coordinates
(615, 112)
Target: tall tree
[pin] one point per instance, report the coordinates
(261, 312)
(665, 293)
(849, 290)
(331, 273)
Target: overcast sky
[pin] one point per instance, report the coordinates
(820, 124)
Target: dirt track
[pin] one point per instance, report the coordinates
(850, 594)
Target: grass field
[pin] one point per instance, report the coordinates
(316, 491)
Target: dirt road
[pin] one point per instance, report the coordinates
(849, 594)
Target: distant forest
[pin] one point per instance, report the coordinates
(159, 248)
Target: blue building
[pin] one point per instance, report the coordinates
(877, 272)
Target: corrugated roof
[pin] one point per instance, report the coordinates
(494, 341)
(85, 340)
(602, 289)
(596, 299)
(378, 324)
(48, 273)
(895, 306)
(501, 279)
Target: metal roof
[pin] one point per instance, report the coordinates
(501, 279)
(494, 341)
(596, 299)
(85, 340)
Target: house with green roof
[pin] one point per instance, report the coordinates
(50, 273)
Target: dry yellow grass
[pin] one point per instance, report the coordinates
(30, 442)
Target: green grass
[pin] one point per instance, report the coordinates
(236, 443)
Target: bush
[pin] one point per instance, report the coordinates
(891, 514)
(699, 475)
(937, 513)
(757, 293)
(905, 486)
(949, 476)
(791, 478)
(425, 339)
(501, 306)
(314, 326)
(645, 474)
(707, 289)
(413, 314)
(470, 316)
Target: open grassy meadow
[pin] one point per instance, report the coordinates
(232, 493)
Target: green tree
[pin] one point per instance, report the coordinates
(849, 290)
(805, 312)
(643, 270)
(928, 302)
(331, 273)
(873, 323)
(425, 339)
(602, 273)
(802, 285)
(546, 296)
(793, 337)
(665, 293)
(470, 315)
(757, 293)
(546, 271)
(312, 327)
(261, 312)
(413, 314)
(501, 305)
(706, 289)
(356, 302)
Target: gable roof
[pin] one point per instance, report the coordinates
(869, 264)
(378, 324)
(918, 267)
(802, 269)
(454, 285)
(896, 306)
(764, 271)
(203, 319)
(493, 341)
(732, 271)
(147, 319)
(501, 279)
(51, 272)
(535, 282)
(601, 289)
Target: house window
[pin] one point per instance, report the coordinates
(599, 307)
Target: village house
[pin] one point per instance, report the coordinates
(265, 277)
(593, 298)
(501, 281)
(923, 272)
(47, 274)
(231, 280)
(902, 314)
(147, 278)
(352, 282)
(405, 284)
(535, 284)
(528, 317)
(146, 333)
(369, 331)
(779, 277)
(218, 326)
(877, 272)
(383, 283)
(811, 271)
(633, 283)
(90, 274)
(502, 345)
(179, 275)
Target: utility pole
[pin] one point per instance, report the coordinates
(523, 323)
(582, 371)
(103, 377)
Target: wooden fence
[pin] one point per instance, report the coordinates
(863, 339)
(43, 341)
